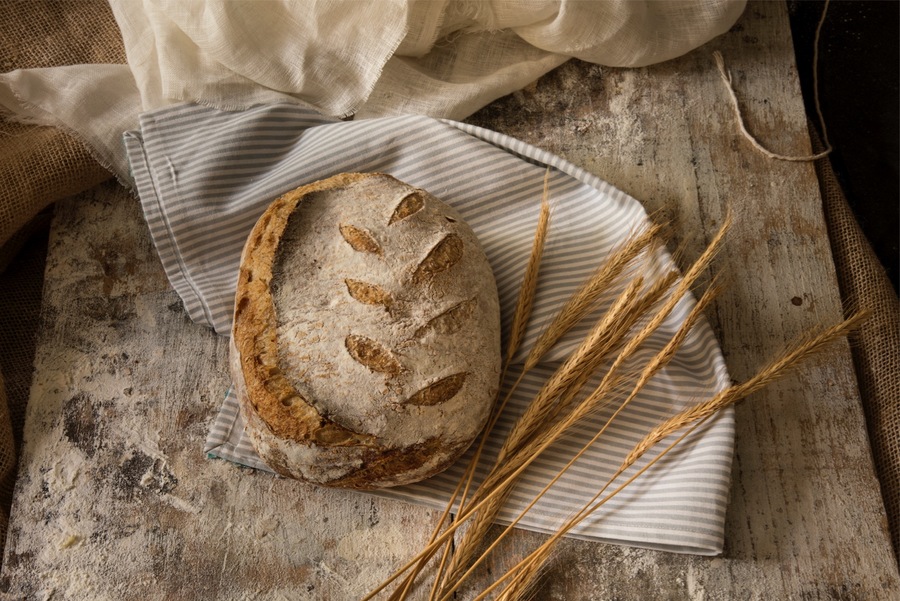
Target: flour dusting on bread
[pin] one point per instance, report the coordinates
(366, 343)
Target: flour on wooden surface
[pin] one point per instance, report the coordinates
(115, 499)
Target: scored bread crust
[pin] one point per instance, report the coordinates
(379, 391)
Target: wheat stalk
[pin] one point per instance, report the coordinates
(535, 425)
(500, 482)
(593, 403)
(571, 376)
(534, 560)
(798, 353)
(575, 369)
(523, 584)
(523, 573)
(527, 291)
(592, 349)
(577, 306)
(606, 334)
(536, 416)
(488, 494)
(585, 297)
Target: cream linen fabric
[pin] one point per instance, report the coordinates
(442, 58)
(93, 103)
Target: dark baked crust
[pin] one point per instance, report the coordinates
(279, 404)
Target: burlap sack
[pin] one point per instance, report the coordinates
(7, 461)
(876, 346)
(41, 164)
(38, 165)
(20, 294)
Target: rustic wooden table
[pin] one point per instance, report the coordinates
(115, 499)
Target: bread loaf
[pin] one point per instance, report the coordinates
(365, 350)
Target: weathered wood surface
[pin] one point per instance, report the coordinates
(804, 514)
(116, 501)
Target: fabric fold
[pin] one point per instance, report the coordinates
(93, 103)
(441, 58)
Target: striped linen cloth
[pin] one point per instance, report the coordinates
(204, 176)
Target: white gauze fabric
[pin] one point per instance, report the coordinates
(441, 58)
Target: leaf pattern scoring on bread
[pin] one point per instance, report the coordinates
(368, 294)
(411, 204)
(449, 321)
(441, 391)
(360, 239)
(441, 257)
(444, 255)
(373, 355)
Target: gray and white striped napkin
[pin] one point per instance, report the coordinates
(204, 176)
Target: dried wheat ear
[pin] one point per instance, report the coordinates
(452, 557)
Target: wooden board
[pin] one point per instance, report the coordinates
(805, 505)
(115, 499)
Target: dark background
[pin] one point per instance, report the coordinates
(859, 67)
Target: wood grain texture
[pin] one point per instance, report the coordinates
(804, 518)
(116, 501)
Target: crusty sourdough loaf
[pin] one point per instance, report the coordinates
(365, 350)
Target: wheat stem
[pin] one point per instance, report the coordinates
(583, 300)
(652, 368)
(694, 417)
(565, 383)
(531, 427)
(495, 489)
(435, 587)
(535, 417)
(527, 291)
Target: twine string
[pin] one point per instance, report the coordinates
(729, 85)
